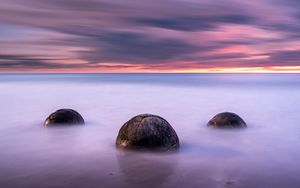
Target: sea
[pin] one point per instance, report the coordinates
(264, 155)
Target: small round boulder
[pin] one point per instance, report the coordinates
(227, 120)
(64, 117)
(147, 131)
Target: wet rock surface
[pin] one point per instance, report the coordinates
(227, 120)
(147, 131)
(64, 117)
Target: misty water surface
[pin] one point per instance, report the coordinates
(266, 154)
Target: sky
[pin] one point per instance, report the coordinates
(149, 36)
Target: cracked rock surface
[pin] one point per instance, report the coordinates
(147, 131)
(227, 120)
(64, 117)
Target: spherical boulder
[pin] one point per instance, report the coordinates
(64, 117)
(147, 131)
(227, 120)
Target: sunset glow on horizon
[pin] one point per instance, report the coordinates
(183, 36)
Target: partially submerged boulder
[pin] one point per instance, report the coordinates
(227, 120)
(64, 117)
(147, 131)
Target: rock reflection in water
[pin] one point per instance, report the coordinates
(146, 169)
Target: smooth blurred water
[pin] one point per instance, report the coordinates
(266, 154)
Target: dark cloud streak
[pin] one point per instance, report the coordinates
(132, 47)
(195, 23)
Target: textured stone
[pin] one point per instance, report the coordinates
(147, 131)
(227, 120)
(64, 117)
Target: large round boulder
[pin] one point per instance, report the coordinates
(227, 120)
(147, 131)
(64, 117)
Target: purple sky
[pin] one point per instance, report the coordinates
(149, 36)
